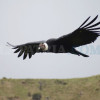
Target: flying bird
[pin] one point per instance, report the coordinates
(85, 34)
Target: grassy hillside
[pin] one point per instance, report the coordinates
(50, 89)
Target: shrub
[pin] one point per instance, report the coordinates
(36, 96)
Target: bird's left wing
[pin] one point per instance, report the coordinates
(85, 34)
(26, 49)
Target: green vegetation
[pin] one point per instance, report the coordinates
(50, 89)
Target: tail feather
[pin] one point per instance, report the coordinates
(74, 51)
(84, 55)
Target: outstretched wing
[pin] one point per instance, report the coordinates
(85, 34)
(26, 49)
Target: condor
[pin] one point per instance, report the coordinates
(85, 34)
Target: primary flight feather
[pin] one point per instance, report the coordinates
(85, 34)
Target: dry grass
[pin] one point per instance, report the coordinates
(51, 89)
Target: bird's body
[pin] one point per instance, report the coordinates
(57, 46)
(85, 34)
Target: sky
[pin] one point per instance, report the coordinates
(23, 21)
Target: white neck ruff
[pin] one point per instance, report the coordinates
(46, 46)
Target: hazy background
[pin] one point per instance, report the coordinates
(23, 21)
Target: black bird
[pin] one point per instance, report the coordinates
(85, 34)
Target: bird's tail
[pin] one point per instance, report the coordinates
(74, 51)
(84, 55)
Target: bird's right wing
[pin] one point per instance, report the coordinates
(26, 49)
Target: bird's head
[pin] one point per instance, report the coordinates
(43, 47)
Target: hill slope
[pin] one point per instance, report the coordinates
(51, 89)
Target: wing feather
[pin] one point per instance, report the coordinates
(30, 55)
(91, 21)
(20, 53)
(26, 49)
(85, 21)
(93, 25)
(17, 50)
(94, 28)
(83, 35)
(25, 55)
